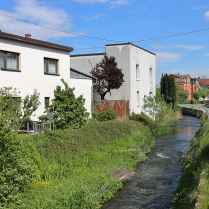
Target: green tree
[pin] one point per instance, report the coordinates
(196, 95)
(68, 111)
(168, 89)
(15, 109)
(181, 94)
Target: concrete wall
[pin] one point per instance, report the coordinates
(145, 85)
(83, 87)
(32, 74)
(127, 56)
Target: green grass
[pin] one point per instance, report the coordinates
(83, 168)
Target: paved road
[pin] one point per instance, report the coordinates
(201, 107)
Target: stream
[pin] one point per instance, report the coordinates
(156, 179)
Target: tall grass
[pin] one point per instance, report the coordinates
(83, 168)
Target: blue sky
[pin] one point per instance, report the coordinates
(120, 21)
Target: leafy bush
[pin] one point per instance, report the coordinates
(68, 111)
(109, 114)
(44, 118)
(202, 101)
(18, 160)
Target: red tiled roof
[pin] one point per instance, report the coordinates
(180, 76)
(205, 82)
(35, 41)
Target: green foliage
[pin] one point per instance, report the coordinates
(44, 118)
(196, 95)
(168, 88)
(181, 95)
(160, 112)
(109, 114)
(83, 168)
(18, 163)
(68, 111)
(10, 106)
(202, 101)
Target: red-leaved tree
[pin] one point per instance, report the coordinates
(108, 75)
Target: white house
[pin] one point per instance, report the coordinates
(29, 64)
(138, 67)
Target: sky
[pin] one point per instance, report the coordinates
(95, 23)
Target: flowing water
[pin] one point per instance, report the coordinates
(156, 179)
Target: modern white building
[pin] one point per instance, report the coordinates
(28, 64)
(138, 67)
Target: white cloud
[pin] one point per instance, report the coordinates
(162, 57)
(143, 7)
(189, 47)
(92, 18)
(207, 16)
(158, 46)
(32, 11)
(207, 54)
(119, 3)
(200, 7)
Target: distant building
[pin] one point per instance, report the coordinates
(187, 83)
(204, 83)
(138, 67)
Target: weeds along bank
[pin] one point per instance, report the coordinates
(72, 168)
(193, 188)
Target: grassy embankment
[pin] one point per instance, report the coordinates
(191, 191)
(73, 168)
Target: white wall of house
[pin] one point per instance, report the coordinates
(128, 57)
(31, 75)
(83, 87)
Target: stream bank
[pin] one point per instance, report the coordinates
(156, 179)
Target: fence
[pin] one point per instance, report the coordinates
(121, 106)
(34, 127)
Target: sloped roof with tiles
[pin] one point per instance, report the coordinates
(205, 82)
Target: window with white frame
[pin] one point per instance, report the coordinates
(137, 72)
(150, 74)
(138, 99)
(50, 66)
(150, 94)
(9, 61)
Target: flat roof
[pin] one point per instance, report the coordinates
(34, 41)
(129, 43)
(93, 54)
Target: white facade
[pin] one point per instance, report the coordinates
(31, 74)
(138, 67)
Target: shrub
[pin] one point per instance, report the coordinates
(202, 102)
(68, 111)
(109, 114)
(18, 160)
(44, 118)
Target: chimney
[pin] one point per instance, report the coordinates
(178, 73)
(27, 36)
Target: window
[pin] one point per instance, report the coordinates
(50, 66)
(138, 99)
(150, 94)
(9, 61)
(150, 74)
(47, 101)
(137, 72)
